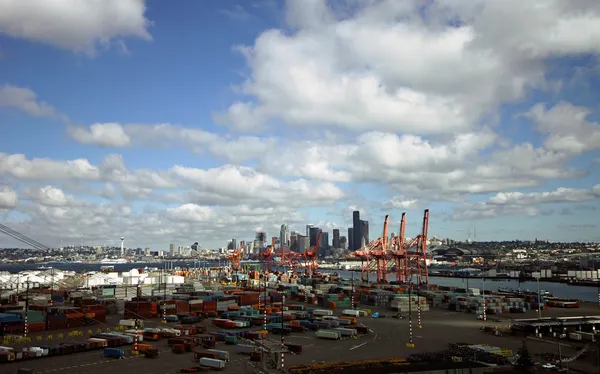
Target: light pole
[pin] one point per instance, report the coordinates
(539, 304)
(352, 291)
(419, 325)
(282, 339)
(137, 316)
(483, 295)
(26, 316)
(164, 303)
(410, 343)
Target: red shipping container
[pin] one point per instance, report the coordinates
(36, 327)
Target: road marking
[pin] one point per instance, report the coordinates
(358, 346)
(371, 331)
(375, 337)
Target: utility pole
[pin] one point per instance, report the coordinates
(26, 324)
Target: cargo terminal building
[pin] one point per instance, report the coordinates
(557, 326)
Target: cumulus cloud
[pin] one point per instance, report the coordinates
(208, 200)
(234, 149)
(49, 196)
(79, 26)
(26, 100)
(519, 203)
(382, 105)
(8, 197)
(439, 70)
(566, 127)
(102, 134)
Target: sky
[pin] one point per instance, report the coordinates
(176, 122)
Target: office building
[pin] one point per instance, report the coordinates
(324, 240)
(357, 227)
(302, 244)
(313, 235)
(172, 250)
(336, 238)
(343, 243)
(365, 232)
(284, 236)
(350, 239)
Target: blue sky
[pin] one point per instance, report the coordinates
(209, 120)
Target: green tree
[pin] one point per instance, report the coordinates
(524, 363)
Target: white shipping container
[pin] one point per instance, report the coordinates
(328, 334)
(346, 332)
(571, 273)
(212, 363)
(322, 312)
(351, 312)
(223, 355)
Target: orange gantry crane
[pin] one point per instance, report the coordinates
(236, 257)
(364, 257)
(266, 256)
(410, 260)
(398, 252)
(374, 256)
(416, 253)
(311, 258)
(378, 251)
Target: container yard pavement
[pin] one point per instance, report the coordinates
(387, 340)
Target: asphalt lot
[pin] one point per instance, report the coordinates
(387, 340)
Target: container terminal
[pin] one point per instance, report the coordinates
(255, 318)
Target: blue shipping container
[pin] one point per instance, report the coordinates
(114, 352)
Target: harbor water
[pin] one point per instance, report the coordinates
(564, 290)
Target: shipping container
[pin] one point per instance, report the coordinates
(328, 334)
(223, 355)
(114, 352)
(212, 363)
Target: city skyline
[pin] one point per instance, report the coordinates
(245, 117)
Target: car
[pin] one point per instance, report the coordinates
(549, 366)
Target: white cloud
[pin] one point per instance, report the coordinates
(369, 70)
(212, 202)
(76, 25)
(399, 203)
(566, 128)
(234, 149)
(383, 105)
(26, 100)
(49, 196)
(8, 198)
(102, 134)
(519, 203)
(18, 166)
